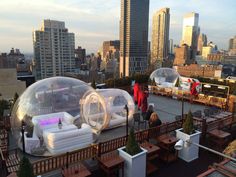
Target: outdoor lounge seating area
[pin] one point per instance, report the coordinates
(161, 148)
(208, 100)
(62, 114)
(68, 137)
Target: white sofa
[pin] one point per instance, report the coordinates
(68, 138)
(116, 120)
(47, 121)
(31, 143)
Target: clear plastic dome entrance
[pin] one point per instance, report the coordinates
(52, 110)
(115, 100)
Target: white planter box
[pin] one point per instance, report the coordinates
(135, 166)
(190, 151)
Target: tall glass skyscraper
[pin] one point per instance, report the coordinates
(160, 36)
(191, 32)
(134, 36)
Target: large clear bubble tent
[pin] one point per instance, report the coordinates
(59, 114)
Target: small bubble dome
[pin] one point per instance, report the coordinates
(115, 100)
(165, 77)
(58, 115)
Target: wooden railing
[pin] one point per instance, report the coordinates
(56, 162)
(111, 145)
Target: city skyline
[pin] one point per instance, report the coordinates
(95, 22)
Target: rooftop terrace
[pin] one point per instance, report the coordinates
(167, 109)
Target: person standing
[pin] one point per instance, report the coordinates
(136, 92)
(193, 90)
(143, 103)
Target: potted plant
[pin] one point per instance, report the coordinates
(134, 156)
(25, 169)
(189, 152)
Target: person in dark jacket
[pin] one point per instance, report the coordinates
(149, 112)
(154, 120)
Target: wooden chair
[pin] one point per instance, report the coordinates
(137, 118)
(4, 141)
(78, 169)
(12, 162)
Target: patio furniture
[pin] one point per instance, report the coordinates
(197, 113)
(152, 153)
(137, 118)
(11, 161)
(152, 150)
(78, 170)
(68, 138)
(219, 138)
(4, 140)
(166, 142)
(225, 168)
(178, 117)
(111, 162)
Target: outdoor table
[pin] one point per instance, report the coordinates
(78, 170)
(166, 143)
(152, 153)
(152, 150)
(209, 119)
(110, 162)
(227, 113)
(219, 133)
(219, 137)
(219, 116)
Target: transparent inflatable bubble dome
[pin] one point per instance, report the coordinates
(165, 76)
(58, 115)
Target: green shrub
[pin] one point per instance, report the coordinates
(188, 126)
(26, 168)
(132, 146)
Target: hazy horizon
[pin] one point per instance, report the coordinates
(96, 21)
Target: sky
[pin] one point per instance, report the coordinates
(94, 21)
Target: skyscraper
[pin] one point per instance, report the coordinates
(133, 36)
(181, 55)
(232, 43)
(202, 42)
(190, 32)
(54, 50)
(80, 55)
(110, 49)
(160, 36)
